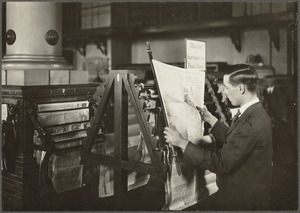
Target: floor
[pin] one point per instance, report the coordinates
(151, 198)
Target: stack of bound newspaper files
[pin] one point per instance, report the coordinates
(67, 124)
(181, 91)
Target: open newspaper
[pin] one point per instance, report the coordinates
(181, 91)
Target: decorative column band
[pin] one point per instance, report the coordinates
(33, 39)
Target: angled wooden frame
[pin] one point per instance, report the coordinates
(121, 85)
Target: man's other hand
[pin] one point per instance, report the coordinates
(173, 137)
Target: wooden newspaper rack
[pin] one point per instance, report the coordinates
(119, 87)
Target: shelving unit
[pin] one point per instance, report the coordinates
(165, 18)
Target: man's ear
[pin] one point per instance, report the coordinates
(242, 88)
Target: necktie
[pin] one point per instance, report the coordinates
(235, 117)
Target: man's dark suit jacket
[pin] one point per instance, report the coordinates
(244, 162)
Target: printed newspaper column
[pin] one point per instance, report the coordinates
(196, 60)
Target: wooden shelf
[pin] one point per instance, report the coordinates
(259, 21)
(233, 27)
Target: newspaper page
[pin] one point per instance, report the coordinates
(181, 91)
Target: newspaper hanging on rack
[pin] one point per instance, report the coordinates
(181, 91)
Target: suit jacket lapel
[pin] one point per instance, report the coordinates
(233, 126)
(243, 116)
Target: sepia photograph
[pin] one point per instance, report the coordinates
(149, 105)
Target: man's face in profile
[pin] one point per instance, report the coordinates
(232, 92)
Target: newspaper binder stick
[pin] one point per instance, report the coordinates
(174, 153)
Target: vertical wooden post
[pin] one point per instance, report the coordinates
(121, 138)
(20, 186)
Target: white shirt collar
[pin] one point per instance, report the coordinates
(247, 105)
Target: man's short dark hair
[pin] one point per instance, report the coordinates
(243, 74)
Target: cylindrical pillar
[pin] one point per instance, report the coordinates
(33, 36)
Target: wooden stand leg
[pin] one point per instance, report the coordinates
(121, 139)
